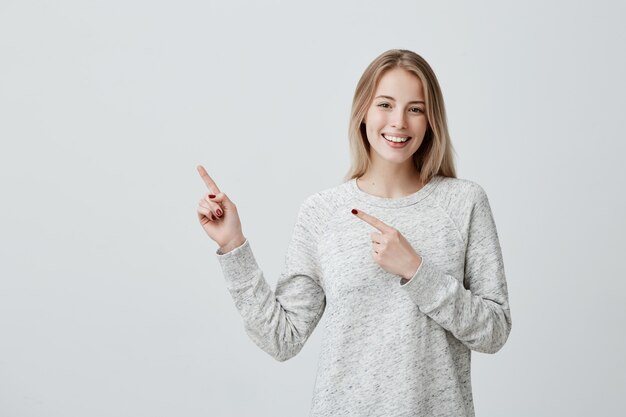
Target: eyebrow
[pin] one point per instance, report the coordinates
(391, 98)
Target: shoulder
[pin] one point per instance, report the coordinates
(463, 201)
(317, 208)
(459, 198)
(327, 199)
(459, 192)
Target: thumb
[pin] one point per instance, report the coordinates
(223, 199)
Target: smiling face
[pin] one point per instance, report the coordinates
(398, 109)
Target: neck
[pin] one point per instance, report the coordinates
(392, 183)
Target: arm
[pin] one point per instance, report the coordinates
(477, 313)
(279, 321)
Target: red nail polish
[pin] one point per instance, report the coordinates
(211, 195)
(354, 211)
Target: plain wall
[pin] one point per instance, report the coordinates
(112, 302)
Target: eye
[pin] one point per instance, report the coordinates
(383, 104)
(418, 110)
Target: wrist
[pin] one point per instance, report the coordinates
(232, 244)
(414, 267)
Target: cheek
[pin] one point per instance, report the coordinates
(373, 129)
(374, 121)
(421, 125)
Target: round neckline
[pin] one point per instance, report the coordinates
(407, 200)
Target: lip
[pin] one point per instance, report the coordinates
(396, 145)
(398, 135)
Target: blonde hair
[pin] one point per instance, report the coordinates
(435, 154)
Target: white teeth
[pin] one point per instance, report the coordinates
(395, 139)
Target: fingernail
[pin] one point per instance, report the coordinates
(354, 211)
(219, 212)
(211, 195)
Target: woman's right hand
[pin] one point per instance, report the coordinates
(218, 216)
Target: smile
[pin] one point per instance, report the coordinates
(395, 139)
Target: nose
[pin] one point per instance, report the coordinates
(398, 119)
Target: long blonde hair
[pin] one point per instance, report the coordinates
(435, 154)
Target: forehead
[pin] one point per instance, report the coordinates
(400, 83)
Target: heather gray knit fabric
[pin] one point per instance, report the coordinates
(388, 348)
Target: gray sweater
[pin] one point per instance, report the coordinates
(390, 347)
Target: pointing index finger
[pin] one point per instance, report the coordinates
(378, 224)
(208, 180)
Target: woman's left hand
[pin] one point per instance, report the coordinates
(390, 249)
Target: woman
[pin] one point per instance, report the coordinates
(403, 258)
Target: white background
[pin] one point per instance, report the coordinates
(112, 302)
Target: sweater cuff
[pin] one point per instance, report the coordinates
(238, 265)
(425, 286)
(403, 281)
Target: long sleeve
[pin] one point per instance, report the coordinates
(279, 321)
(476, 311)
